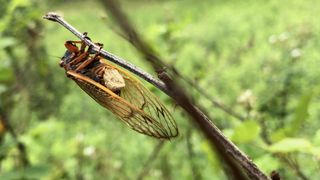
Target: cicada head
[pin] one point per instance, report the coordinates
(66, 58)
(69, 55)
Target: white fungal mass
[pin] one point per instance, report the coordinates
(113, 80)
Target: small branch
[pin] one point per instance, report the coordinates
(213, 101)
(228, 152)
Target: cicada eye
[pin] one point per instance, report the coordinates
(61, 63)
(67, 57)
(71, 46)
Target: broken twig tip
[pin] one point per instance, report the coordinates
(53, 16)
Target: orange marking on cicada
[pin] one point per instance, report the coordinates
(70, 45)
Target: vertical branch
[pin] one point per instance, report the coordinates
(80, 160)
(195, 173)
(146, 166)
(166, 167)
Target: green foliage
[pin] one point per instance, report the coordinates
(258, 58)
(6, 42)
(288, 145)
(301, 114)
(246, 132)
(299, 118)
(316, 138)
(268, 163)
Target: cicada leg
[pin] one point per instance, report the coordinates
(80, 54)
(89, 61)
(71, 45)
(79, 58)
(99, 70)
(85, 63)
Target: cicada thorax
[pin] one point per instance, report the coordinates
(113, 80)
(101, 73)
(106, 76)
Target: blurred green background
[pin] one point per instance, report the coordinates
(260, 58)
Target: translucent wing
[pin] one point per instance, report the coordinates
(131, 111)
(136, 94)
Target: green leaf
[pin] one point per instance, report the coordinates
(210, 155)
(288, 145)
(246, 132)
(6, 41)
(316, 152)
(33, 172)
(316, 138)
(6, 75)
(278, 135)
(301, 114)
(267, 162)
(37, 171)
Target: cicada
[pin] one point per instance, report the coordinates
(118, 91)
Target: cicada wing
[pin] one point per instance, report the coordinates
(136, 94)
(134, 117)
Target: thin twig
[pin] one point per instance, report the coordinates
(213, 101)
(228, 151)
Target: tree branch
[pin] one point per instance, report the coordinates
(228, 152)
